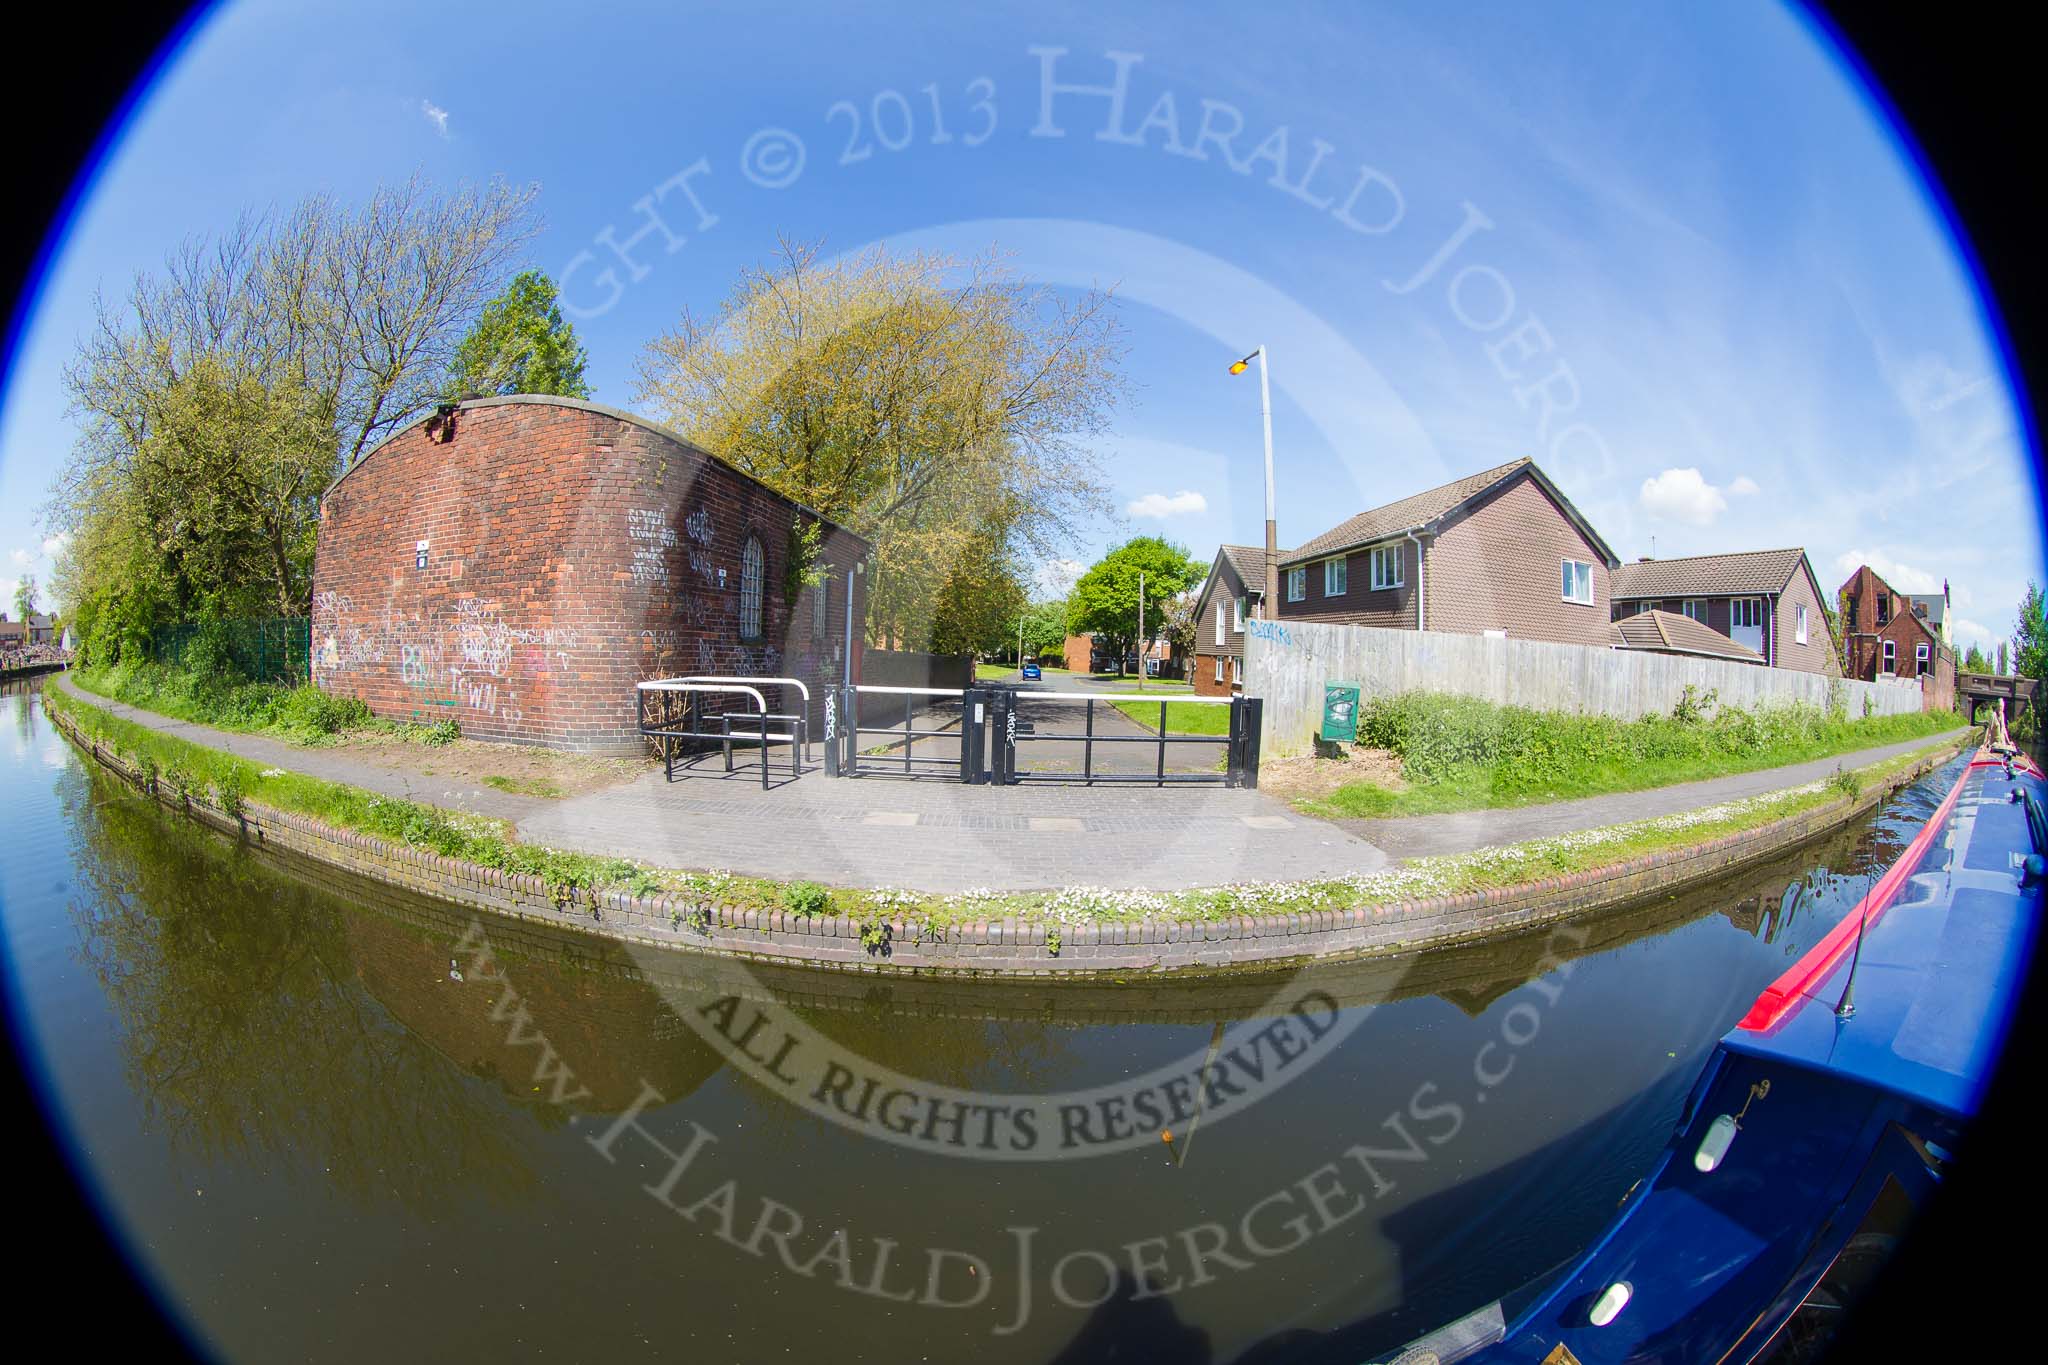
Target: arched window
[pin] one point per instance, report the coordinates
(753, 568)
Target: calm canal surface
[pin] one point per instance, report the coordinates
(333, 1123)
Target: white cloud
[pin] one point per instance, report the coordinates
(7, 587)
(436, 115)
(1743, 486)
(1967, 632)
(1683, 495)
(1903, 577)
(1162, 506)
(1056, 577)
(22, 558)
(54, 545)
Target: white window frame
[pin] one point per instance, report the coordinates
(1694, 609)
(1565, 577)
(1297, 583)
(1219, 668)
(1751, 607)
(1236, 668)
(753, 587)
(1800, 634)
(1237, 614)
(1219, 622)
(1920, 657)
(1336, 576)
(1891, 656)
(1389, 568)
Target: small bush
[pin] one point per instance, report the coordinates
(805, 898)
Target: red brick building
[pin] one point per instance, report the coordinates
(1889, 634)
(1230, 597)
(518, 564)
(1502, 551)
(1767, 601)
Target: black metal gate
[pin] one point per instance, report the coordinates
(1008, 730)
(938, 733)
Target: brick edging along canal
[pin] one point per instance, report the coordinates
(1011, 947)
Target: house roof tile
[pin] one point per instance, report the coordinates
(1749, 571)
(1406, 515)
(1669, 633)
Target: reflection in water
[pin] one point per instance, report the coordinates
(390, 1107)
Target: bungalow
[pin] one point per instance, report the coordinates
(1767, 601)
(1234, 593)
(1886, 633)
(1501, 552)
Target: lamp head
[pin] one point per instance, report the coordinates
(1237, 367)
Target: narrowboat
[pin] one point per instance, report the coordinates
(1821, 1123)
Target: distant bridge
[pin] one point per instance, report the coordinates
(1984, 689)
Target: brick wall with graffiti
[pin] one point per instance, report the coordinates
(518, 565)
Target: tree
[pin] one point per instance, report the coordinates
(1974, 661)
(1181, 624)
(25, 599)
(2030, 636)
(218, 398)
(521, 344)
(939, 407)
(1105, 600)
(1045, 628)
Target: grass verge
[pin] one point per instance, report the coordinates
(1182, 717)
(1460, 753)
(298, 713)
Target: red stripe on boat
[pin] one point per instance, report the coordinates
(1782, 996)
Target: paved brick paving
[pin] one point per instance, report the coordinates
(941, 836)
(937, 835)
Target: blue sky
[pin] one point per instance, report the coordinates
(1684, 266)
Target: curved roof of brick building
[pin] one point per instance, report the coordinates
(1666, 632)
(601, 410)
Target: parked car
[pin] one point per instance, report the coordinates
(1031, 672)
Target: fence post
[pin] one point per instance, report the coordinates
(1233, 751)
(832, 732)
(1254, 721)
(849, 732)
(971, 703)
(1002, 737)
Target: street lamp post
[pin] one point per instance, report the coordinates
(1272, 592)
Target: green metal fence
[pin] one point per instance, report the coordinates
(267, 649)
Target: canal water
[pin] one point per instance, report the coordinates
(334, 1123)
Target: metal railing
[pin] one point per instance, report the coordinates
(797, 683)
(1240, 743)
(665, 724)
(849, 761)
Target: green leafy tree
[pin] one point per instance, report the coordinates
(1105, 600)
(2030, 636)
(1974, 660)
(521, 344)
(1045, 628)
(25, 598)
(942, 408)
(217, 397)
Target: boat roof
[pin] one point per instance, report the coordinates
(1946, 936)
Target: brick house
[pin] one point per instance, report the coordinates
(518, 564)
(36, 630)
(1886, 633)
(1502, 551)
(1765, 600)
(1078, 653)
(1233, 593)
